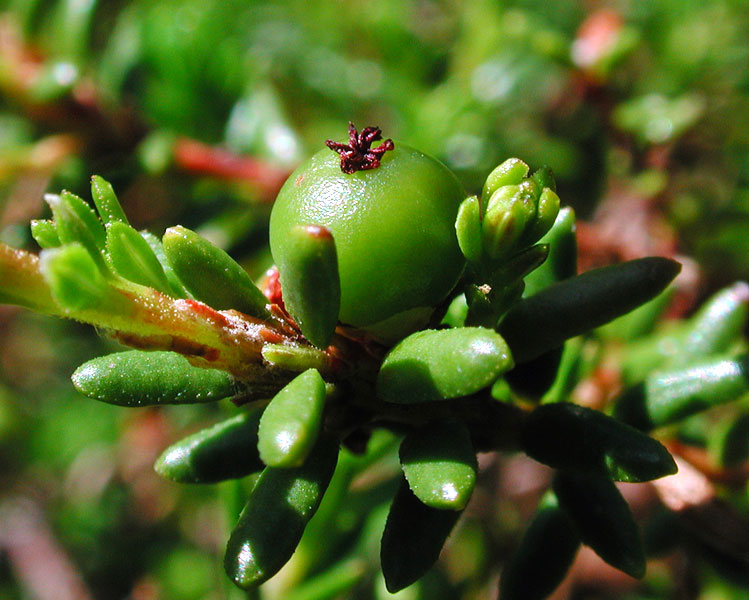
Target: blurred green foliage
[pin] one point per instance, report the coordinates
(642, 106)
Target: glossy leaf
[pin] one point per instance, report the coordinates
(602, 519)
(291, 422)
(567, 436)
(273, 521)
(211, 275)
(439, 463)
(132, 257)
(310, 282)
(137, 378)
(671, 395)
(442, 364)
(413, 538)
(717, 325)
(227, 450)
(106, 202)
(579, 304)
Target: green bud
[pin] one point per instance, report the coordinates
(545, 554)
(413, 538)
(439, 463)
(211, 275)
(291, 422)
(73, 277)
(272, 523)
(442, 364)
(106, 201)
(45, 233)
(138, 378)
(566, 436)
(547, 209)
(310, 282)
(504, 222)
(578, 304)
(132, 257)
(468, 229)
(603, 520)
(510, 172)
(227, 450)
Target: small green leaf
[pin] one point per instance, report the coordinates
(138, 378)
(567, 436)
(291, 422)
(73, 276)
(442, 364)
(272, 523)
(603, 520)
(439, 463)
(468, 229)
(545, 555)
(578, 304)
(132, 257)
(295, 358)
(413, 538)
(211, 275)
(45, 233)
(510, 172)
(76, 221)
(310, 282)
(106, 202)
(228, 450)
(177, 288)
(672, 395)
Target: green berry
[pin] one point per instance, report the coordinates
(394, 232)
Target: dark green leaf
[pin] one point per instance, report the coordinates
(138, 378)
(272, 523)
(567, 436)
(413, 538)
(227, 450)
(545, 554)
(603, 519)
(578, 304)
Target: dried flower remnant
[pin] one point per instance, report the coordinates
(358, 155)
